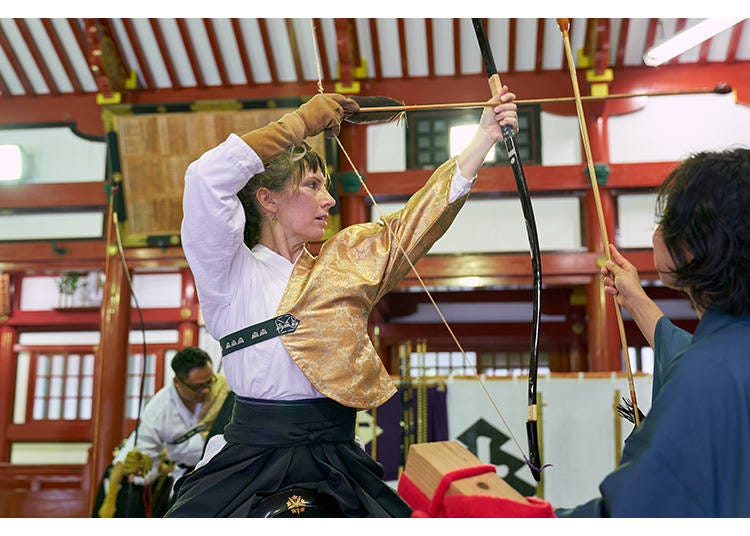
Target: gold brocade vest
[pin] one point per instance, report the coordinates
(333, 294)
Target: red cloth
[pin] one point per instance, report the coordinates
(467, 505)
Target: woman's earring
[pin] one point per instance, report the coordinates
(273, 218)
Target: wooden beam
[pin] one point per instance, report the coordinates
(75, 318)
(551, 179)
(86, 113)
(294, 49)
(239, 38)
(161, 43)
(266, 38)
(15, 64)
(216, 49)
(457, 46)
(52, 256)
(538, 64)
(325, 66)
(401, 28)
(430, 37)
(38, 59)
(90, 195)
(62, 55)
(135, 42)
(104, 59)
(622, 40)
(376, 58)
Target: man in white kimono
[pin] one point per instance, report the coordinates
(172, 431)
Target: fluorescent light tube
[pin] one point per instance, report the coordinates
(11, 162)
(687, 39)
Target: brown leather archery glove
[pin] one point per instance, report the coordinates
(325, 112)
(322, 113)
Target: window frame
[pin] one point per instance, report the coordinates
(529, 117)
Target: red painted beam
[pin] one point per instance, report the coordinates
(15, 64)
(509, 268)
(74, 318)
(44, 430)
(430, 48)
(499, 179)
(161, 43)
(377, 69)
(86, 113)
(294, 48)
(53, 195)
(62, 55)
(266, 38)
(38, 59)
(325, 67)
(239, 37)
(216, 49)
(40, 257)
(145, 69)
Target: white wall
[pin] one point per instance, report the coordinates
(57, 154)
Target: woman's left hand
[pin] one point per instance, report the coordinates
(504, 113)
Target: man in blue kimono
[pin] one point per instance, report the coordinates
(688, 458)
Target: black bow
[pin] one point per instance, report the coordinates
(534, 461)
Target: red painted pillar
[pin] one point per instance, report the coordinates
(188, 328)
(602, 331)
(353, 208)
(8, 339)
(110, 375)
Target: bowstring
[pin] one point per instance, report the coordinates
(411, 265)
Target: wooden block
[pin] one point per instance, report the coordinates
(427, 463)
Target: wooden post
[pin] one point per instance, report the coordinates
(603, 336)
(188, 327)
(8, 338)
(110, 375)
(353, 207)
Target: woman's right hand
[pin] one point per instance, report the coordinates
(620, 279)
(324, 113)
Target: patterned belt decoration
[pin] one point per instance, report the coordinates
(187, 435)
(260, 332)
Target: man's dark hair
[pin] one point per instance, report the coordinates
(703, 208)
(189, 358)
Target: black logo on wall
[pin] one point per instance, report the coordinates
(482, 428)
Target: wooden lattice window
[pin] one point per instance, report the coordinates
(425, 364)
(428, 137)
(62, 385)
(61, 382)
(137, 378)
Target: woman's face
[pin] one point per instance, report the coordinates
(304, 212)
(663, 260)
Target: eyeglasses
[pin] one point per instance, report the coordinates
(195, 387)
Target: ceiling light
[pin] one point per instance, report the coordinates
(11, 162)
(687, 39)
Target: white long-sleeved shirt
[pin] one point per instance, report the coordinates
(163, 419)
